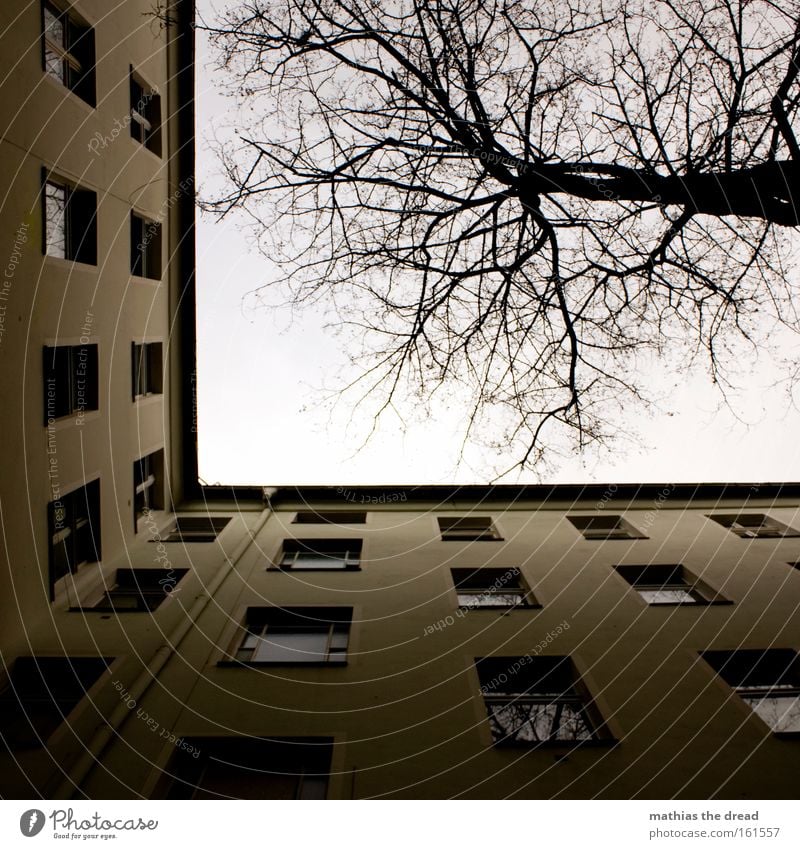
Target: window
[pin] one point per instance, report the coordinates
(147, 369)
(139, 590)
(74, 531)
(295, 635)
(768, 680)
(145, 248)
(667, 584)
(145, 115)
(467, 528)
(755, 526)
(70, 222)
(250, 768)
(491, 588)
(68, 52)
(148, 485)
(533, 700)
(605, 527)
(321, 554)
(70, 381)
(196, 529)
(330, 517)
(40, 694)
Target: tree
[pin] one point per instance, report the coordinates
(523, 197)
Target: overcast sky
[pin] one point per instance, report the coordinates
(262, 372)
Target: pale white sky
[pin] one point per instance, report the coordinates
(261, 419)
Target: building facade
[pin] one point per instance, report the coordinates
(96, 168)
(161, 639)
(609, 642)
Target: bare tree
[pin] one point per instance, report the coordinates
(521, 196)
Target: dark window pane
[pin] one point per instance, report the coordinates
(155, 368)
(74, 531)
(85, 378)
(57, 382)
(82, 226)
(197, 528)
(41, 692)
(70, 380)
(250, 768)
(330, 517)
(467, 528)
(137, 249)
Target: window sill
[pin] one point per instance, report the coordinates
(714, 603)
(141, 146)
(77, 419)
(614, 539)
(767, 538)
(313, 569)
(77, 583)
(71, 264)
(570, 745)
(153, 281)
(107, 610)
(64, 89)
(504, 607)
(247, 664)
(472, 539)
(184, 541)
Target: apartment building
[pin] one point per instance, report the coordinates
(564, 642)
(162, 639)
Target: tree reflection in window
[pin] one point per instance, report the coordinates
(533, 700)
(768, 680)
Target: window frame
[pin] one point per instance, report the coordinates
(145, 124)
(700, 592)
(185, 771)
(746, 665)
(622, 529)
(78, 206)
(146, 247)
(78, 401)
(148, 470)
(73, 527)
(572, 692)
(336, 621)
(76, 52)
(457, 529)
(775, 528)
(462, 576)
(60, 707)
(215, 526)
(147, 369)
(287, 559)
(145, 585)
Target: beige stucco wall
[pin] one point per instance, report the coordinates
(53, 301)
